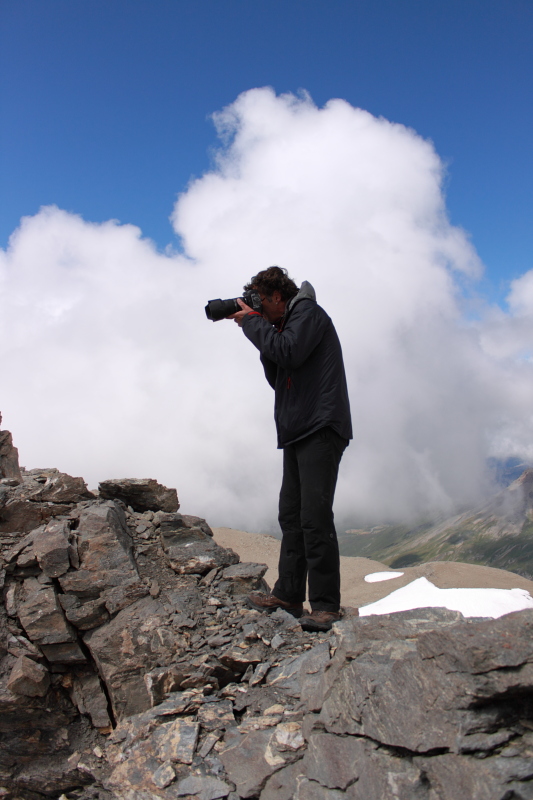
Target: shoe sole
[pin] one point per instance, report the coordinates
(313, 627)
(297, 613)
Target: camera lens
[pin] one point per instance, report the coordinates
(220, 309)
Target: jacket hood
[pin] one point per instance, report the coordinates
(306, 293)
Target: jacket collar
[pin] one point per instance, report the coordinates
(306, 292)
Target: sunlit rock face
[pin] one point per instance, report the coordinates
(131, 667)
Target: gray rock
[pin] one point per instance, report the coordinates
(127, 647)
(28, 678)
(9, 459)
(62, 488)
(283, 785)
(83, 615)
(251, 759)
(50, 776)
(176, 741)
(133, 779)
(88, 696)
(310, 790)
(244, 578)
(13, 596)
(119, 597)
(216, 716)
(197, 522)
(164, 776)
(293, 674)
(105, 552)
(19, 646)
(142, 494)
(160, 682)
(479, 648)
(51, 548)
(204, 788)
(452, 776)
(332, 761)
(243, 655)
(190, 550)
(41, 615)
(421, 705)
(383, 774)
(24, 515)
(369, 695)
(69, 653)
(260, 673)
(207, 744)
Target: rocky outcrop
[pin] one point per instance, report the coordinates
(414, 705)
(141, 494)
(9, 460)
(40, 495)
(131, 665)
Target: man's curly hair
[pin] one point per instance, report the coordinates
(271, 280)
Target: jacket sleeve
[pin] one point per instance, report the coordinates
(290, 347)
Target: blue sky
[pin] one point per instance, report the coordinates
(105, 106)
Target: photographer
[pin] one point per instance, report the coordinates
(302, 358)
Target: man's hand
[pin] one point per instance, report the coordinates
(239, 316)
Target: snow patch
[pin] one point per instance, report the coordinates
(376, 577)
(421, 593)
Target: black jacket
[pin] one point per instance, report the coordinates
(303, 363)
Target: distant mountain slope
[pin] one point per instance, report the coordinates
(497, 534)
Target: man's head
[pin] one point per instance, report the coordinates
(276, 289)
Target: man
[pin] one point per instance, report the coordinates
(302, 358)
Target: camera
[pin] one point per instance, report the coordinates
(220, 309)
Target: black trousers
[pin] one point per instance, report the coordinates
(309, 548)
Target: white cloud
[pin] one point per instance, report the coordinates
(111, 369)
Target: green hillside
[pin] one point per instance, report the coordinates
(498, 534)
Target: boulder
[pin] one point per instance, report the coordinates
(58, 487)
(105, 552)
(41, 615)
(245, 578)
(249, 760)
(369, 695)
(64, 654)
(160, 682)
(190, 550)
(20, 646)
(28, 678)
(52, 549)
(142, 494)
(87, 694)
(52, 777)
(202, 787)
(9, 460)
(37, 498)
(19, 515)
(216, 716)
(138, 639)
(84, 615)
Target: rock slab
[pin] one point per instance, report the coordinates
(142, 494)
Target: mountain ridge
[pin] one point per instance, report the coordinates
(498, 533)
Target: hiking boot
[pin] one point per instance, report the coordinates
(268, 603)
(319, 620)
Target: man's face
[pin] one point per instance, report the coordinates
(273, 307)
